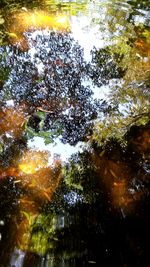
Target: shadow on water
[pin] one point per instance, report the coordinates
(74, 133)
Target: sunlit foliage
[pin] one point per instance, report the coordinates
(129, 97)
(35, 20)
(12, 121)
(32, 161)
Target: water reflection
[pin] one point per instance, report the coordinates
(12, 121)
(74, 74)
(56, 149)
(27, 20)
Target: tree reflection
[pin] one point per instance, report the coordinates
(129, 97)
(49, 78)
(110, 186)
(94, 207)
(35, 184)
(114, 181)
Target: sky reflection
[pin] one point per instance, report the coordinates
(56, 149)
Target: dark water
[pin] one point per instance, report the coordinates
(74, 133)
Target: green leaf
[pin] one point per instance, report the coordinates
(1, 20)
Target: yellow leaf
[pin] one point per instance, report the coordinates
(12, 35)
(113, 174)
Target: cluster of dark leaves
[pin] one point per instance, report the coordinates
(104, 66)
(50, 76)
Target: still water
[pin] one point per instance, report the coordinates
(74, 133)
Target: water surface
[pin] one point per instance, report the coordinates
(74, 133)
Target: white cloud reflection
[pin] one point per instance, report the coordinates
(58, 148)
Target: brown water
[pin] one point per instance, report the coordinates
(74, 133)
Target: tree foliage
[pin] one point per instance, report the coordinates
(97, 203)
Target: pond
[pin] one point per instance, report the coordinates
(74, 133)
